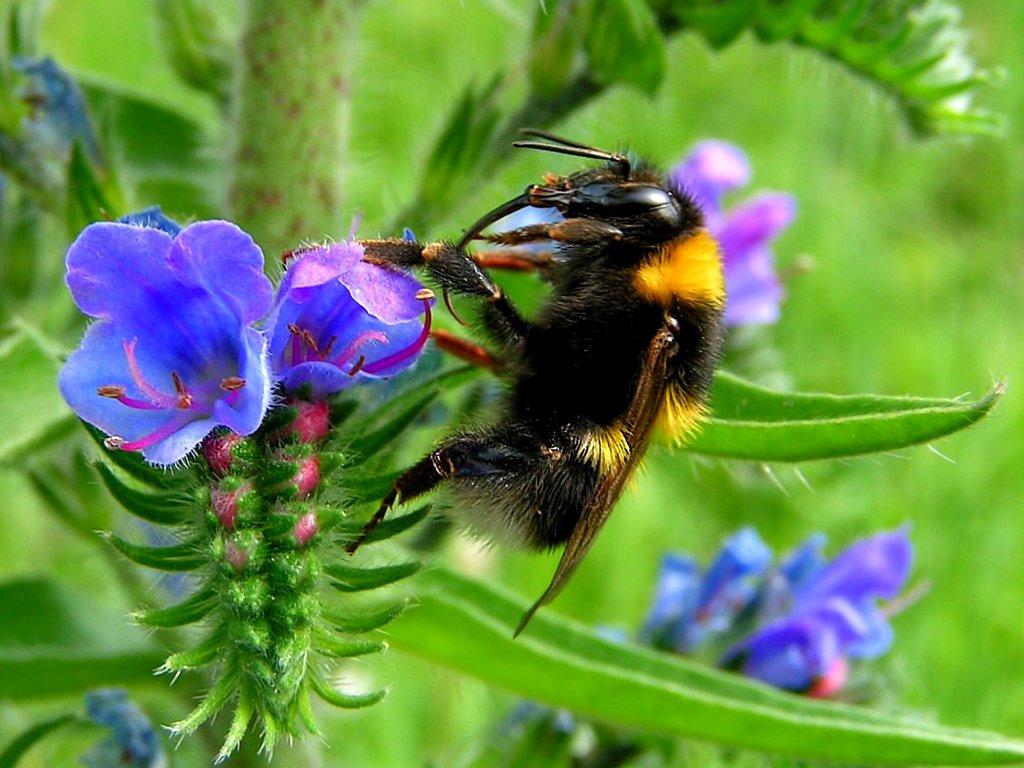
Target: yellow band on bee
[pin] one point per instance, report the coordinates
(604, 448)
(681, 416)
(688, 268)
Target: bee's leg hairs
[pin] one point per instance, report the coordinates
(465, 456)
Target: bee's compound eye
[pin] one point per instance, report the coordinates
(655, 206)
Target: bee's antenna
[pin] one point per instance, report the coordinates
(568, 147)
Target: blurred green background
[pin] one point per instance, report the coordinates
(917, 254)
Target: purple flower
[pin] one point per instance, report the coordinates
(173, 353)
(132, 744)
(745, 232)
(832, 616)
(690, 607)
(152, 217)
(338, 320)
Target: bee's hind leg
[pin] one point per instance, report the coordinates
(465, 456)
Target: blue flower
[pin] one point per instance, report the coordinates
(338, 320)
(690, 607)
(173, 353)
(152, 217)
(832, 616)
(58, 115)
(132, 744)
(711, 170)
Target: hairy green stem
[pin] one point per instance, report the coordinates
(289, 118)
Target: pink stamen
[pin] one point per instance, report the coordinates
(165, 431)
(404, 354)
(159, 398)
(363, 338)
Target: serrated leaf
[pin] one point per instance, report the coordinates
(157, 507)
(351, 579)
(187, 556)
(759, 424)
(468, 626)
(55, 640)
(359, 621)
(30, 736)
(32, 411)
(188, 611)
(624, 44)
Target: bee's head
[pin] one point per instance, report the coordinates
(634, 199)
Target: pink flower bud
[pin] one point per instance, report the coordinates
(217, 452)
(305, 529)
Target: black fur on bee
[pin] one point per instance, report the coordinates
(628, 338)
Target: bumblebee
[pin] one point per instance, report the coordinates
(627, 341)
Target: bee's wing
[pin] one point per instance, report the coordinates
(640, 418)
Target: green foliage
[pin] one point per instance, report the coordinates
(752, 422)
(54, 641)
(468, 625)
(887, 219)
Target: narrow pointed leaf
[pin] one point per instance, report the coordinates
(188, 611)
(391, 526)
(468, 626)
(344, 700)
(759, 424)
(357, 622)
(29, 737)
(349, 579)
(157, 506)
(343, 648)
(178, 557)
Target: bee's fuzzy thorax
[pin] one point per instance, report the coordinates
(686, 269)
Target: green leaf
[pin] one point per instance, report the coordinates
(390, 526)
(720, 23)
(349, 579)
(157, 507)
(752, 422)
(468, 626)
(187, 556)
(358, 621)
(385, 423)
(188, 611)
(55, 640)
(623, 44)
(28, 738)
(92, 194)
(198, 44)
(344, 700)
(32, 411)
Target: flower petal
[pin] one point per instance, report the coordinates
(877, 566)
(711, 169)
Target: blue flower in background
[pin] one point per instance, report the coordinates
(800, 621)
(173, 353)
(833, 616)
(132, 744)
(338, 320)
(690, 607)
(745, 232)
(58, 115)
